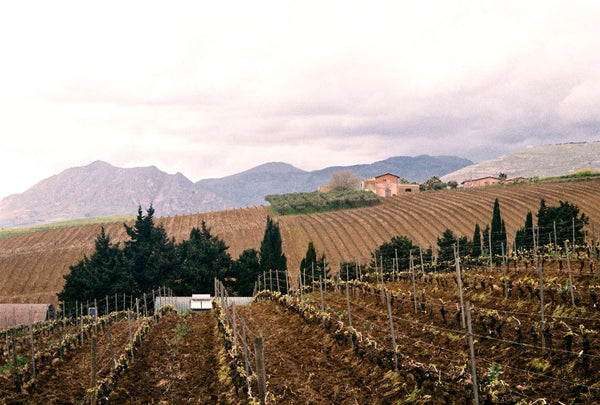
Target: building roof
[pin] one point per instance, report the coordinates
(387, 174)
(481, 178)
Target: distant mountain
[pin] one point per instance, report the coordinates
(100, 189)
(540, 161)
(250, 187)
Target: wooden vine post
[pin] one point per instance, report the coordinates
(94, 368)
(33, 370)
(504, 271)
(381, 274)
(130, 335)
(389, 307)
(460, 287)
(397, 272)
(412, 272)
(17, 374)
(321, 289)
(348, 304)
(245, 345)
(555, 242)
(260, 368)
(234, 324)
(570, 275)
(472, 352)
(110, 343)
(491, 256)
(543, 323)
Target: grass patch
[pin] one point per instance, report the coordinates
(21, 360)
(180, 331)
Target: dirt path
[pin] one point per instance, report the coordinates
(305, 365)
(183, 360)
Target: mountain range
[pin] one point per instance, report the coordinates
(100, 189)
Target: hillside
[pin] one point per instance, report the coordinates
(100, 189)
(32, 266)
(539, 161)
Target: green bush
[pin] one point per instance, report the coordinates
(305, 203)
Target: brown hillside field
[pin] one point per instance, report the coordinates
(32, 266)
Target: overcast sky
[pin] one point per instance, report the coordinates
(211, 88)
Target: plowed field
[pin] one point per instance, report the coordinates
(305, 365)
(182, 360)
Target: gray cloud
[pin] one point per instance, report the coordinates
(210, 91)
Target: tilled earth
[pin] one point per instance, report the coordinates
(306, 365)
(67, 381)
(182, 360)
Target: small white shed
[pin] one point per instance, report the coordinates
(201, 302)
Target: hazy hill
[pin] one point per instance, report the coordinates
(100, 189)
(540, 161)
(250, 187)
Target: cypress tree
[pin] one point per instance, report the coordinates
(271, 256)
(496, 228)
(476, 246)
(310, 258)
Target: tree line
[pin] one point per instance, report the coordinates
(149, 259)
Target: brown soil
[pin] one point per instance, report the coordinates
(506, 334)
(182, 360)
(305, 365)
(67, 381)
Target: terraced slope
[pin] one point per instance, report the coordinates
(32, 266)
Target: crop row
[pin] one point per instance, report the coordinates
(32, 265)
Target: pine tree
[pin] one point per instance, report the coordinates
(476, 244)
(150, 253)
(246, 270)
(446, 250)
(201, 259)
(402, 246)
(271, 256)
(97, 276)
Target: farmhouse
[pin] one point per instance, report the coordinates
(483, 181)
(386, 185)
(20, 314)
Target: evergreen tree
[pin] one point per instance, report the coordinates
(310, 259)
(150, 253)
(565, 216)
(246, 270)
(271, 256)
(201, 259)
(95, 277)
(476, 244)
(498, 235)
(403, 246)
(446, 250)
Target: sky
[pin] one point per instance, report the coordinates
(212, 88)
